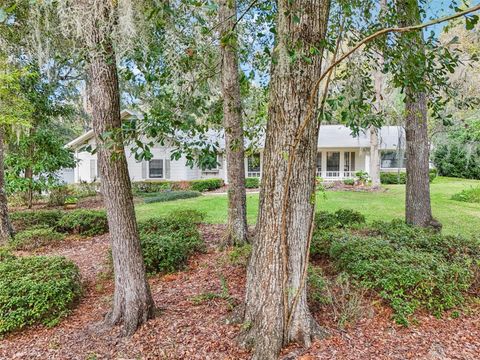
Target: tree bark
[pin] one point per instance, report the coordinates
(237, 230)
(418, 210)
(6, 229)
(276, 311)
(132, 303)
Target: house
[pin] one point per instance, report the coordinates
(340, 156)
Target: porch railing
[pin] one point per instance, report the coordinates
(255, 174)
(336, 175)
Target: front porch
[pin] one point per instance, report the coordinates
(332, 164)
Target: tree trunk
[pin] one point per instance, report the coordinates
(6, 229)
(132, 302)
(232, 122)
(29, 171)
(418, 209)
(276, 310)
(374, 146)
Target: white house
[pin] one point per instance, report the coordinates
(340, 156)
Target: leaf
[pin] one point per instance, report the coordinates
(471, 21)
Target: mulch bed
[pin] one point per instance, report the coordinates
(189, 329)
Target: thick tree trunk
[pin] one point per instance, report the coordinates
(418, 210)
(6, 229)
(232, 121)
(132, 302)
(276, 303)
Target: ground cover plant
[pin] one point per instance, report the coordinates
(36, 290)
(34, 238)
(169, 196)
(410, 268)
(471, 195)
(167, 242)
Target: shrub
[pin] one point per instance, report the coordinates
(35, 238)
(362, 176)
(468, 195)
(23, 220)
(252, 183)
(84, 222)
(36, 290)
(410, 268)
(5, 254)
(85, 189)
(401, 178)
(59, 194)
(206, 184)
(142, 187)
(341, 218)
(168, 242)
(171, 195)
(457, 160)
(349, 182)
(240, 255)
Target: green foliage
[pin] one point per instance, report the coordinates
(35, 238)
(168, 242)
(58, 195)
(206, 184)
(36, 290)
(401, 177)
(316, 285)
(362, 176)
(170, 196)
(341, 218)
(252, 183)
(350, 182)
(410, 268)
(5, 254)
(457, 160)
(468, 195)
(85, 189)
(240, 255)
(22, 220)
(146, 187)
(84, 222)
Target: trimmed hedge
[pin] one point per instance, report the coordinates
(252, 183)
(168, 242)
(170, 196)
(206, 184)
(34, 238)
(36, 290)
(22, 220)
(84, 222)
(147, 187)
(401, 178)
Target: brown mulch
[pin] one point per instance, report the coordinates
(187, 327)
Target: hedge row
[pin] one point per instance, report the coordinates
(401, 178)
(142, 187)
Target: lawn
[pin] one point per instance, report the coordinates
(456, 217)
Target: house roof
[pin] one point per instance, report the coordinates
(82, 139)
(331, 136)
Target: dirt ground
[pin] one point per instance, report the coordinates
(189, 327)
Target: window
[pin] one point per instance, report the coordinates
(333, 161)
(319, 162)
(392, 159)
(254, 163)
(155, 169)
(349, 161)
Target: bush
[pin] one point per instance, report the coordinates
(85, 189)
(171, 195)
(410, 268)
(84, 222)
(168, 242)
(252, 183)
(457, 160)
(349, 182)
(5, 254)
(206, 184)
(147, 187)
(35, 238)
(36, 290)
(22, 220)
(469, 195)
(341, 218)
(401, 178)
(59, 194)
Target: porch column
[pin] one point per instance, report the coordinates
(324, 164)
(342, 163)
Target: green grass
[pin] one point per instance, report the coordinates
(456, 217)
